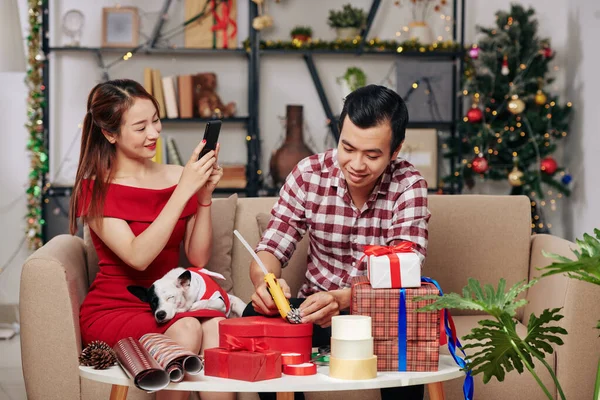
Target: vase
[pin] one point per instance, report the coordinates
(420, 31)
(293, 149)
(347, 33)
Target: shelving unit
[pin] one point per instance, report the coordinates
(253, 53)
(250, 121)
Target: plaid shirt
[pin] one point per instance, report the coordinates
(315, 199)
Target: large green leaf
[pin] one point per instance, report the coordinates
(499, 350)
(474, 297)
(585, 267)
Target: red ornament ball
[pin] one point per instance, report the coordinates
(474, 115)
(480, 165)
(549, 165)
(547, 52)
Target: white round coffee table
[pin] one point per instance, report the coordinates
(287, 384)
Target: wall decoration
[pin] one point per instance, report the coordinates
(120, 27)
(421, 149)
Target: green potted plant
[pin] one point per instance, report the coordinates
(353, 79)
(347, 22)
(301, 33)
(497, 349)
(585, 267)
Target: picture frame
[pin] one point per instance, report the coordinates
(120, 27)
(420, 148)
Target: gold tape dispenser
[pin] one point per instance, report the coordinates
(287, 312)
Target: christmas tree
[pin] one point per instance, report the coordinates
(513, 125)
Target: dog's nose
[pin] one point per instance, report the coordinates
(161, 315)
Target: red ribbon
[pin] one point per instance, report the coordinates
(390, 251)
(223, 22)
(254, 345)
(402, 247)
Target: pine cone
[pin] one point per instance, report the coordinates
(103, 359)
(98, 355)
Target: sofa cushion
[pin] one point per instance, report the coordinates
(223, 217)
(481, 237)
(295, 270)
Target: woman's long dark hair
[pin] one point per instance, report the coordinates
(106, 105)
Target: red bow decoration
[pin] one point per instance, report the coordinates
(223, 22)
(375, 250)
(254, 345)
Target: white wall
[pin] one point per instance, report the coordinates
(14, 163)
(583, 85)
(286, 80)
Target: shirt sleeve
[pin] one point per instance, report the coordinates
(411, 218)
(287, 225)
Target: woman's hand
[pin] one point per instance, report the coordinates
(205, 193)
(197, 172)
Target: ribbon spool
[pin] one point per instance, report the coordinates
(300, 369)
(291, 358)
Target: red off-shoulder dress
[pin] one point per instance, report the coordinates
(109, 312)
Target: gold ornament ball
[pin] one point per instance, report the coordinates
(515, 177)
(540, 98)
(516, 106)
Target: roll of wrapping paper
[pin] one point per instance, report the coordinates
(353, 369)
(300, 369)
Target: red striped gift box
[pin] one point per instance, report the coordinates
(422, 335)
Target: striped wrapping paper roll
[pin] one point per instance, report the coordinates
(172, 356)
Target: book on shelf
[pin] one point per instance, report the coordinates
(155, 360)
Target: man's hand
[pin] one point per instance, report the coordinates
(263, 303)
(319, 308)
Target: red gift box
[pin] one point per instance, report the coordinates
(246, 360)
(279, 334)
(412, 345)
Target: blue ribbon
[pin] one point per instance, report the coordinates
(402, 346)
(453, 344)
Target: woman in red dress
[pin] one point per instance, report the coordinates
(139, 212)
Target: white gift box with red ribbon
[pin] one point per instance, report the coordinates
(393, 267)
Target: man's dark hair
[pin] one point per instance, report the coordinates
(373, 105)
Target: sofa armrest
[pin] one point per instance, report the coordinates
(53, 285)
(576, 360)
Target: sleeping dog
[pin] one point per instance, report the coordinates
(181, 290)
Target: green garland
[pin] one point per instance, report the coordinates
(372, 45)
(35, 125)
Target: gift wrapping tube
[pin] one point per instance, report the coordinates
(193, 365)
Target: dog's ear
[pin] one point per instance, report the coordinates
(140, 292)
(184, 279)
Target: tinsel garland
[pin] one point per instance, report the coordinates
(371, 45)
(35, 125)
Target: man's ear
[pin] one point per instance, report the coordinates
(111, 137)
(395, 153)
(140, 292)
(184, 279)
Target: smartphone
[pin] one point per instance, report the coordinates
(211, 135)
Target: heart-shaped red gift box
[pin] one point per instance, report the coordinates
(278, 334)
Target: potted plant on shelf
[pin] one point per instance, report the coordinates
(353, 79)
(301, 34)
(347, 22)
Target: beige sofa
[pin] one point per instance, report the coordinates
(484, 237)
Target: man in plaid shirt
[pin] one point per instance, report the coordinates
(358, 194)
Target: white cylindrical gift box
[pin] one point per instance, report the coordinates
(352, 349)
(351, 327)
